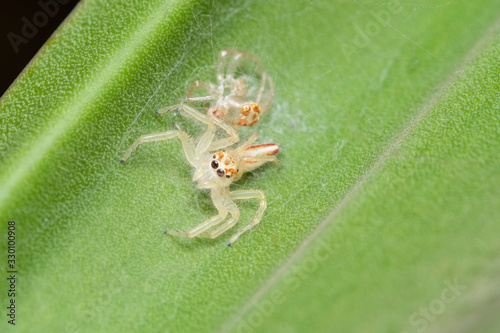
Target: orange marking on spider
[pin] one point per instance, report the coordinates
(219, 156)
(268, 149)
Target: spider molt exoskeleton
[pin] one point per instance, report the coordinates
(216, 171)
(235, 98)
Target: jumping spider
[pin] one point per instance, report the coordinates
(216, 171)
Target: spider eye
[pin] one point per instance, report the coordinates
(228, 176)
(245, 110)
(215, 165)
(214, 156)
(220, 172)
(256, 108)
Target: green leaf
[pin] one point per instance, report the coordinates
(387, 202)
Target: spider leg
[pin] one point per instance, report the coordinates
(248, 143)
(201, 85)
(229, 61)
(206, 142)
(238, 58)
(233, 65)
(200, 227)
(223, 201)
(221, 65)
(262, 159)
(200, 99)
(249, 194)
(223, 204)
(267, 103)
(168, 109)
(192, 113)
(207, 137)
(188, 146)
(226, 142)
(222, 229)
(262, 87)
(246, 78)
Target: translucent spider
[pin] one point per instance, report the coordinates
(235, 98)
(216, 171)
